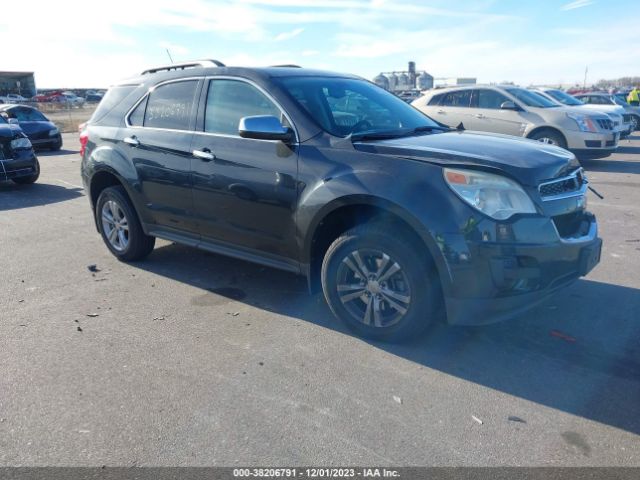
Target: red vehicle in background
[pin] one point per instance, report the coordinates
(47, 97)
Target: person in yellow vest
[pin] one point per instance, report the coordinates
(634, 97)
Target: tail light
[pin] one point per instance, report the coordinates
(84, 138)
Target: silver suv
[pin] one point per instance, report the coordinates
(520, 112)
(615, 112)
(631, 112)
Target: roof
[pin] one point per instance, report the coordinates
(255, 73)
(15, 74)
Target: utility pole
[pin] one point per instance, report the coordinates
(584, 84)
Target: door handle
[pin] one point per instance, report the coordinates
(205, 155)
(440, 111)
(132, 140)
(479, 115)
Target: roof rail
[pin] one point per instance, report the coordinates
(182, 66)
(290, 65)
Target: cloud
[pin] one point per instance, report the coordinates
(577, 4)
(288, 35)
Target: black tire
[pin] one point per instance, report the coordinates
(31, 178)
(56, 146)
(417, 280)
(138, 245)
(635, 119)
(554, 137)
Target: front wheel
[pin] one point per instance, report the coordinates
(550, 137)
(31, 178)
(379, 284)
(119, 226)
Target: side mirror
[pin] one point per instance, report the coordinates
(264, 127)
(14, 121)
(508, 105)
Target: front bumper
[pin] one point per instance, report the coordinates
(496, 280)
(23, 164)
(585, 144)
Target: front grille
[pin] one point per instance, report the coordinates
(626, 118)
(564, 185)
(605, 124)
(610, 143)
(592, 143)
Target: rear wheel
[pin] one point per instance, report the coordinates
(31, 178)
(550, 137)
(120, 227)
(379, 284)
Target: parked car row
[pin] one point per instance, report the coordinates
(589, 125)
(66, 97)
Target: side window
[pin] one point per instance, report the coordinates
(435, 100)
(170, 105)
(489, 98)
(461, 98)
(599, 100)
(230, 100)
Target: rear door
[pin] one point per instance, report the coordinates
(453, 108)
(158, 140)
(489, 117)
(245, 192)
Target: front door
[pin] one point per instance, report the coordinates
(489, 117)
(158, 140)
(244, 190)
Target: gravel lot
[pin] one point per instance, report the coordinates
(190, 358)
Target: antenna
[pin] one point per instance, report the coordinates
(169, 54)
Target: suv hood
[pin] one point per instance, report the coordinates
(9, 131)
(529, 162)
(560, 112)
(603, 108)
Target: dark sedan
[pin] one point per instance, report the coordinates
(41, 131)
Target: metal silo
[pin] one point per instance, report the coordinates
(403, 81)
(425, 81)
(381, 81)
(393, 82)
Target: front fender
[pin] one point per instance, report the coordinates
(319, 201)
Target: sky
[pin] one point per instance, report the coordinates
(94, 43)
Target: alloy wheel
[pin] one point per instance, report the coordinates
(373, 288)
(115, 225)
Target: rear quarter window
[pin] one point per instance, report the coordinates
(435, 100)
(113, 97)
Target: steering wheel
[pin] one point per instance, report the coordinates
(362, 125)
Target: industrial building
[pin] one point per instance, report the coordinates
(403, 81)
(22, 83)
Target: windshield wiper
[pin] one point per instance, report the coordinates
(375, 135)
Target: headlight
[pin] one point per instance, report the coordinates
(493, 195)
(20, 143)
(54, 132)
(585, 124)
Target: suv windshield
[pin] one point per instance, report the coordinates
(531, 99)
(563, 97)
(345, 106)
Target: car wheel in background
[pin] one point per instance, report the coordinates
(550, 137)
(120, 227)
(30, 178)
(379, 284)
